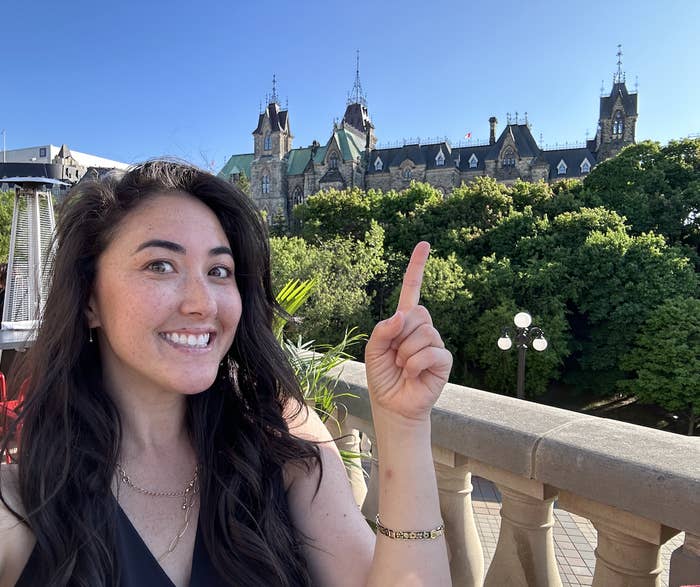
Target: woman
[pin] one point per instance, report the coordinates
(163, 437)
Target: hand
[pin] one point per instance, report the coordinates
(406, 361)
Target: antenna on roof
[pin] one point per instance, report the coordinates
(357, 96)
(619, 77)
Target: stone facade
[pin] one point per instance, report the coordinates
(282, 176)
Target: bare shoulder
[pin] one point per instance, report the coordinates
(304, 422)
(339, 544)
(16, 540)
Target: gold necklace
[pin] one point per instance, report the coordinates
(188, 495)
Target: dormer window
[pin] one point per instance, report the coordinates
(378, 165)
(407, 173)
(585, 166)
(266, 184)
(473, 161)
(440, 159)
(333, 161)
(508, 158)
(561, 168)
(267, 146)
(618, 127)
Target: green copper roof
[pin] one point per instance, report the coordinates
(298, 159)
(236, 164)
(347, 141)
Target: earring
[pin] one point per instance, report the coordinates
(90, 335)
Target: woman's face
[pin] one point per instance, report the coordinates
(165, 301)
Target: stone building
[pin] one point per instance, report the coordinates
(282, 176)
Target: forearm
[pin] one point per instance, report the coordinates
(408, 501)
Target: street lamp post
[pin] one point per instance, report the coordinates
(526, 336)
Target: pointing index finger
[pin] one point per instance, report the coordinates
(413, 279)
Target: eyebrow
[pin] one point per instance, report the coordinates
(177, 248)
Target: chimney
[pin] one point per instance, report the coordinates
(492, 135)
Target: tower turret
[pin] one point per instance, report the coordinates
(356, 115)
(618, 116)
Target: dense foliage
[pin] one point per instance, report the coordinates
(596, 263)
(7, 200)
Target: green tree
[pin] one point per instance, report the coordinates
(656, 188)
(7, 202)
(621, 279)
(243, 183)
(334, 213)
(343, 268)
(665, 359)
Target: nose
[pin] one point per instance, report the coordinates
(197, 297)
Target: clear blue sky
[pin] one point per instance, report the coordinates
(131, 80)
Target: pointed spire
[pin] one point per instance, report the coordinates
(357, 96)
(619, 77)
(273, 98)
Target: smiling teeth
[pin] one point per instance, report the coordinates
(190, 340)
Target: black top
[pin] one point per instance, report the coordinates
(139, 568)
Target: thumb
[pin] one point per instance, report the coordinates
(384, 334)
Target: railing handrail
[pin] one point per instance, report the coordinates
(650, 473)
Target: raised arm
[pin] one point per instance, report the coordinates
(407, 367)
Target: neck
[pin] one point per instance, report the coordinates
(153, 428)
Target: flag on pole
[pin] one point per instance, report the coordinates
(468, 135)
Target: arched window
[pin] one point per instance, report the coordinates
(508, 158)
(266, 184)
(297, 196)
(268, 142)
(618, 125)
(333, 161)
(407, 173)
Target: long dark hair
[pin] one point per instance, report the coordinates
(70, 427)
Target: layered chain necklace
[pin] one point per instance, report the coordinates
(188, 496)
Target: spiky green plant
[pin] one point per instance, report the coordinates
(312, 364)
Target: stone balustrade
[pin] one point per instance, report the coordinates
(638, 486)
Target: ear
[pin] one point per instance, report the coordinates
(92, 313)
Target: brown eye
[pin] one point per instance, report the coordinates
(220, 271)
(160, 267)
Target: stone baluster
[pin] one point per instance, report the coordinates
(370, 506)
(464, 547)
(349, 440)
(628, 551)
(685, 562)
(525, 551)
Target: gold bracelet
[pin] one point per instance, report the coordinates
(403, 535)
